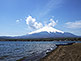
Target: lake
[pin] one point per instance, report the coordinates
(15, 50)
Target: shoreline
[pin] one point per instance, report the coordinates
(70, 52)
(44, 54)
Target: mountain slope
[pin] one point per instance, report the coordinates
(48, 32)
(45, 32)
(47, 29)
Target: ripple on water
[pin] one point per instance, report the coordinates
(12, 51)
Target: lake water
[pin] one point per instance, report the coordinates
(14, 50)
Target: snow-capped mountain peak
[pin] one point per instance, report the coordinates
(47, 29)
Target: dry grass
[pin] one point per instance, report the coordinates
(65, 53)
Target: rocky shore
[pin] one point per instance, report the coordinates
(65, 53)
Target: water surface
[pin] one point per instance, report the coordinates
(14, 50)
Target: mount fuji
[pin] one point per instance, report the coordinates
(47, 32)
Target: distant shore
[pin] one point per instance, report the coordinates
(65, 53)
(42, 39)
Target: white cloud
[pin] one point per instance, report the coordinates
(17, 21)
(73, 25)
(32, 23)
(52, 23)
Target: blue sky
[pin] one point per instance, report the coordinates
(13, 15)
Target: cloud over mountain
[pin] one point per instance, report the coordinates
(30, 21)
(52, 23)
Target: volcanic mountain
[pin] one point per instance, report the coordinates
(47, 32)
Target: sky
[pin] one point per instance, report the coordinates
(19, 17)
